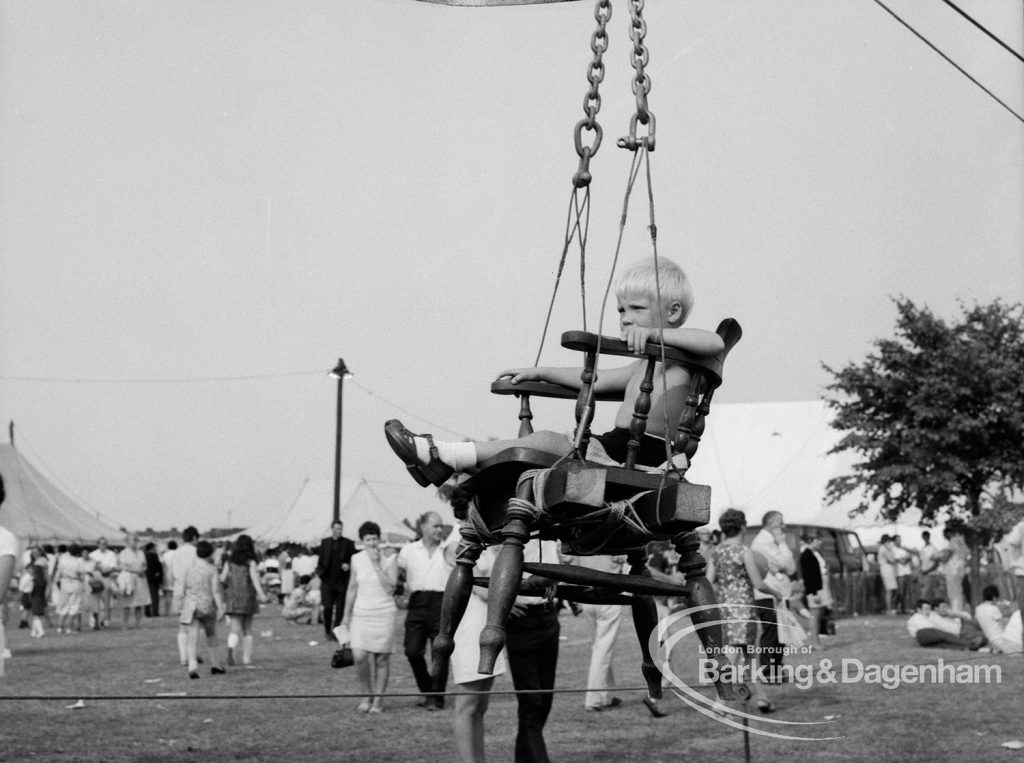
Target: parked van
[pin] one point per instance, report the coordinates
(841, 549)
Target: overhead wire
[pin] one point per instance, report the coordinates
(989, 34)
(949, 60)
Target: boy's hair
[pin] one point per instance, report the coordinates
(921, 603)
(204, 549)
(303, 579)
(671, 281)
(990, 593)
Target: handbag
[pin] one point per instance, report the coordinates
(789, 628)
(342, 657)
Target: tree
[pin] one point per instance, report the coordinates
(938, 415)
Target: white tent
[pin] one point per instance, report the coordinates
(759, 457)
(308, 518)
(36, 511)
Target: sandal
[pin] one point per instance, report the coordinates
(435, 472)
(364, 706)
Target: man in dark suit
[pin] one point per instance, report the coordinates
(333, 567)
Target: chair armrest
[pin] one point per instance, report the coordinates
(545, 389)
(585, 341)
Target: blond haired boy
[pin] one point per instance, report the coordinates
(642, 317)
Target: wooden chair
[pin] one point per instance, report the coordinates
(591, 508)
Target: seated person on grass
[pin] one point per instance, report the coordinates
(640, 316)
(959, 623)
(295, 605)
(992, 618)
(922, 628)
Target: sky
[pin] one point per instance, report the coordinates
(204, 205)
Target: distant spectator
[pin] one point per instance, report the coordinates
(369, 616)
(1015, 546)
(954, 568)
(922, 627)
(242, 592)
(957, 622)
(202, 606)
(182, 561)
(904, 574)
(37, 595)
(887, 570)
(296, 607)
(8, 556)
(154, 578)
(70, 582)
(992, 619)
(814, 572)
(104, 573)
(929, 572)
(133, 590)
(167, 586)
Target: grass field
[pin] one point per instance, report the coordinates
(291, 706)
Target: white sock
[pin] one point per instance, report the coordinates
(232, 640)
(458, 455)
(183, 646)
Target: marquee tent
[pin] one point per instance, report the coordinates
(759, 457)
(36, 511)
(308, 518)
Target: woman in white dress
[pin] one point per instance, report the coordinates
(471, 703)
(134, 590)
(369, 618)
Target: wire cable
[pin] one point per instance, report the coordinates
(950, 61)
(168, 380)
(991, 36)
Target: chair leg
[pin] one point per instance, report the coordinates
(645, 620)
(692, 565)
(506, 576)
(456, 596)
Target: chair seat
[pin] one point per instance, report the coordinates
(664, 503)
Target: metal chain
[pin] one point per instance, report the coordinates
(592, 100)
(641, 84)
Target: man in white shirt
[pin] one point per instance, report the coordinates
(923, 628)
(182, 561)
(104, 562)
(426, 575)
(954, 621)
(770, 542)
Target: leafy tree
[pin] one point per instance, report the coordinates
(938, 415)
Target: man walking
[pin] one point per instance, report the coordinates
(333, 567)
(182, 561)
(770, 542)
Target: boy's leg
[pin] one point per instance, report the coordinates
(433, 461)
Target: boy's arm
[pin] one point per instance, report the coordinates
(696, 341)
(608, 380)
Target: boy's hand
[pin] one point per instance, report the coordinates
(636, 337)
(516, 375)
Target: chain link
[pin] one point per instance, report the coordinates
(641, 84)
(592, 100)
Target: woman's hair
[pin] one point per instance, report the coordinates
(642, 278)
(732, 522)
(303, 579)
(243, 551)
(204, 549)
(885, 539)
(369, 528)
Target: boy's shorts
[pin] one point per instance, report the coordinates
(610, 449)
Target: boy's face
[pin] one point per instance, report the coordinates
(644, 311)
